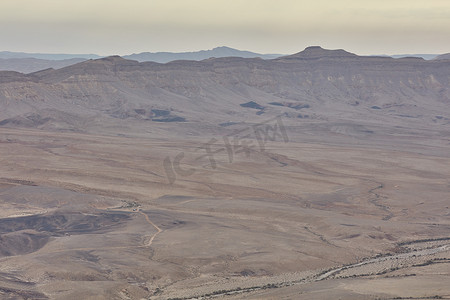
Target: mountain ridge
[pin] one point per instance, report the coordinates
(46, 56)
(328, 86)
(34, 62)
(223, 51)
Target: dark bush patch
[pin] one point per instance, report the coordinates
(252, 104)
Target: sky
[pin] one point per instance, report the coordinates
(108, 27)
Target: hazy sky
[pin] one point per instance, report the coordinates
(266, 26)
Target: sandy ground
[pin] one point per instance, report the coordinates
(103, 217)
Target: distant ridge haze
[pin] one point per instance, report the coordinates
(424, 56)
(30, 65)
(32, 62)
(164, 57)
(46, 56)
(161, 57)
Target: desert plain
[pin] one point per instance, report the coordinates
(345, 203)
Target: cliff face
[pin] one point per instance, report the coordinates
(315, 85)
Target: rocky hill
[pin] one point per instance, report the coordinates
(315, 85)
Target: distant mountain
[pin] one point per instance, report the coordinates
(317, 52)
(320, 86)
(33, 62)
(442, 56)
(165, 57)
(46, 56)
(424, 56)
(30, 65)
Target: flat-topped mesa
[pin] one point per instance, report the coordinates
(317, 52)
(113, 58)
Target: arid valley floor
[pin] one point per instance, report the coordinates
(265, 226)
